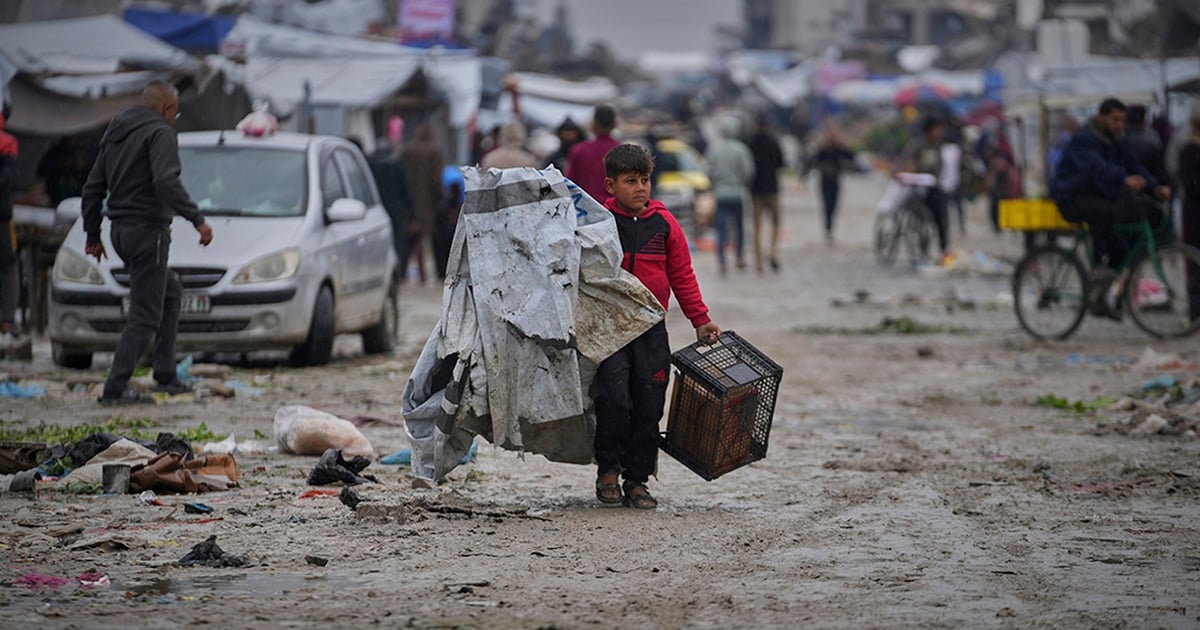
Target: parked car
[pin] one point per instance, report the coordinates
(682, 183)
(302, 250)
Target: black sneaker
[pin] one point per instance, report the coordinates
(174, 388)
(128, 397)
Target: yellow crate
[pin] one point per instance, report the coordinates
(1032, 215)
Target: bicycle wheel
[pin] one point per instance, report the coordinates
(1050, 292)
(916, 233)
(1164, 299)
(886, 237)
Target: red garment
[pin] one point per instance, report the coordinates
(656, 251)
(585, 165)
(8, 143)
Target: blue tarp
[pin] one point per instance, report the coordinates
(193, 32)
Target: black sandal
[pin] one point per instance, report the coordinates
(638, 497)
(609, 493)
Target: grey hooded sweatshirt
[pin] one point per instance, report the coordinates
(139, 168)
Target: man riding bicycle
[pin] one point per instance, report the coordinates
(1099, 181)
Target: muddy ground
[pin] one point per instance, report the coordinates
(911, 480)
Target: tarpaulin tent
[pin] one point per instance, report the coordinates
(194, 32)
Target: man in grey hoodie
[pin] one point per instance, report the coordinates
(731, 170)
(138, 167)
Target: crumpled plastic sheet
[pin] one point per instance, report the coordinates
(535, 298)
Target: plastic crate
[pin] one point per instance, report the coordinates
(1032, 215)
(721, 406)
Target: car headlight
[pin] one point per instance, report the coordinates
(279, 266)
(71, 267)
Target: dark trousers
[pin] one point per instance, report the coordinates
(730, 216)
(938, 202)
(10, 279)
(154, 295)
(1191, 236)
(1102, 213)
(829, 195)
(631, 388)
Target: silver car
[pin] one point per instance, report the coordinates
(302, 250)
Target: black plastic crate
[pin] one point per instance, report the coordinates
(722, 405)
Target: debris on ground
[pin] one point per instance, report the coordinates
(302, 430)
(887, 326)
(209, 554)
(333, 468)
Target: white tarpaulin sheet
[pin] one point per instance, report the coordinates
(535, 298)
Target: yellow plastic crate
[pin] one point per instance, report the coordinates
(1032, 215)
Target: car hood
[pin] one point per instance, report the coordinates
(236, 240)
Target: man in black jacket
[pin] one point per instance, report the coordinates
(139, 168)
(1099, 180)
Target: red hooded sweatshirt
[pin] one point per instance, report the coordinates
(656, 251)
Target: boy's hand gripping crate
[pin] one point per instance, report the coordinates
(721, 406)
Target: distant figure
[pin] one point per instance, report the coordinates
(1003, 182)
(1069, 127)
(64, 167)
(924, 155)
(764, 191)
(395, 194)
(731, 169)
(453, 195)
(1189, 180)
(1146, 144)
(511, 152)
(137, 176)
(831, 160)
(569, 134)
(585, 163)
(10, 280)
(423, 164)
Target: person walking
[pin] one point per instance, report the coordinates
(1189, 180)
(10, 278)
(423, 164)
(764, 192)
(831, 160)
(138, 168)
(924, 155)
(731, 170)
(585, 163)
(511, 153)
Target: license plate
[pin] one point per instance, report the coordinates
(189, 304)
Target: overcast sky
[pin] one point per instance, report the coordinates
(631, 27)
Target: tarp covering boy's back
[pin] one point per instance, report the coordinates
(534, 299)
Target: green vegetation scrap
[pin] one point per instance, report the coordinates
(1079, 406)
(889, 326)
(71, 433)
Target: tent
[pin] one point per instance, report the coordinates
(193, 32)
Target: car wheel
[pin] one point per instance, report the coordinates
(380, 338)
(65, 356)
(318, 347)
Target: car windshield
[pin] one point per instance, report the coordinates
(245, 181)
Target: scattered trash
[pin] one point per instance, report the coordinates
(889, 325)
(9, 389)
(149, 498)
(183, 370)
(925, 352)
(93, 580)
(1094, 359)
(170, 472)
(1162, 381)
(350, 498)
(316, 560)
(24, 480)
(37, 581)
(303, 430)
(319, 492)
(1079, 406)
(332, 468)
(230, 445)
(1152, 360)
(243, 389)
(115, 478)
(402, 457)
(197, 508)
(209, 554)
(18, 456)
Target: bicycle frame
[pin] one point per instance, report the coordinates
(1144, 242)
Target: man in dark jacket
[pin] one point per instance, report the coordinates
(9, 277)
(139, 168)
(764, 191)
(1099, 181)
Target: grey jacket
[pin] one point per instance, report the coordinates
(730, 165)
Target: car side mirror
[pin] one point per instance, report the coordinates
(346, 209)
(68, 210)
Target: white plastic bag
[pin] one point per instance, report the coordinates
(306, 431)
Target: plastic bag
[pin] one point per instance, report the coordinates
(306, 431)
(260, 122)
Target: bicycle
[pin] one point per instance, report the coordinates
(904, 222)
(1051, 283)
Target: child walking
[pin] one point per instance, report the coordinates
(631, 385)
